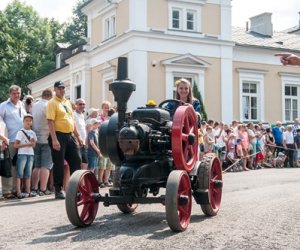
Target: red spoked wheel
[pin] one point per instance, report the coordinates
(178, 201)
(81, 206)
(185, 138)
(210, 179)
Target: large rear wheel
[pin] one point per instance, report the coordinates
(81, 206)
(178, 200)
(210, 179)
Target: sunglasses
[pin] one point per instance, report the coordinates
(81, 104)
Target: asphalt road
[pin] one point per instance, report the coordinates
(260, 210)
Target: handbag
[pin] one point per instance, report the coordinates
(6, 164)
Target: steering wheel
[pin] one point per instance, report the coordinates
(174, 104)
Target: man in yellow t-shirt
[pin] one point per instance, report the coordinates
(62, 139)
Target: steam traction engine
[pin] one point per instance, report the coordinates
(152, 148)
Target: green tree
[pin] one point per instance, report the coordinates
(197, 94)
(75, 32)
(26, 46)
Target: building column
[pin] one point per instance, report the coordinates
(226, 85)
(138, 15)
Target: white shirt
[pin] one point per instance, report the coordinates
(23, 140)
(2, 128)
(80, 125)
(288, 137)
(40, 122)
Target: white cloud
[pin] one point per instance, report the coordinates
(60, 10)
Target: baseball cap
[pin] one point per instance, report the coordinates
(27, 115)
(91, 110)
(59, 84)
(238, 140)
(94, 120)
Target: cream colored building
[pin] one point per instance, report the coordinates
(235, 69)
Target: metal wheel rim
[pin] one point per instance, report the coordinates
(178, 215)
(184, 123)
(80, 203)
(215, 194)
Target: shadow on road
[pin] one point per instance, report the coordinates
(150, 224)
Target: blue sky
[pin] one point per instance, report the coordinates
(285, 13)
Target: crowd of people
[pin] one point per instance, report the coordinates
(243, 147)
(50, 138)
(47, 140)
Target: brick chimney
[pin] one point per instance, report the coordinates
(262, 24)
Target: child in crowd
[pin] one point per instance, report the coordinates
(25, 142)
(209, 140)
(93, 147)
(259, 150)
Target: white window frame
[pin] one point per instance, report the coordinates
(292, 80)
(250, 96)
(109, 26)
(253, 76)
(183, 9)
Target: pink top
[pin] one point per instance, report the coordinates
(245, 140)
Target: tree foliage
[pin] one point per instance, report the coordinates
(75, 32)
(27, 43)
(197, 94)
(26, 46)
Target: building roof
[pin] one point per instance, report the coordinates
(279, 40)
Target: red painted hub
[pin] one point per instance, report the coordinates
(87, 207)
(183, 130)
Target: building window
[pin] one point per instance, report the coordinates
(58, 60)
(176, 19)
(183, 19)
(109, 27)
(291, 96)
(190, 20)
(77, 92)
(250, 101)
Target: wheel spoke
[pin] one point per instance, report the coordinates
(85, 211)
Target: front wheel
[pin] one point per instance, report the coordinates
(178, 200)
(81, 207)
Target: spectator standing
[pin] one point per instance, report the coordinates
(92, 113)
(28, 102)
(62, 139)
(12, 112)
(4, 141)
(243, 135)
(42, 151)
(288, 144)
(81, 128)
(252, 146)
(105, 165)
(278, 133)
(93, 147)
(25, 142)
(297, 145)
(270, 141)
(209, 140)
(296, 126)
